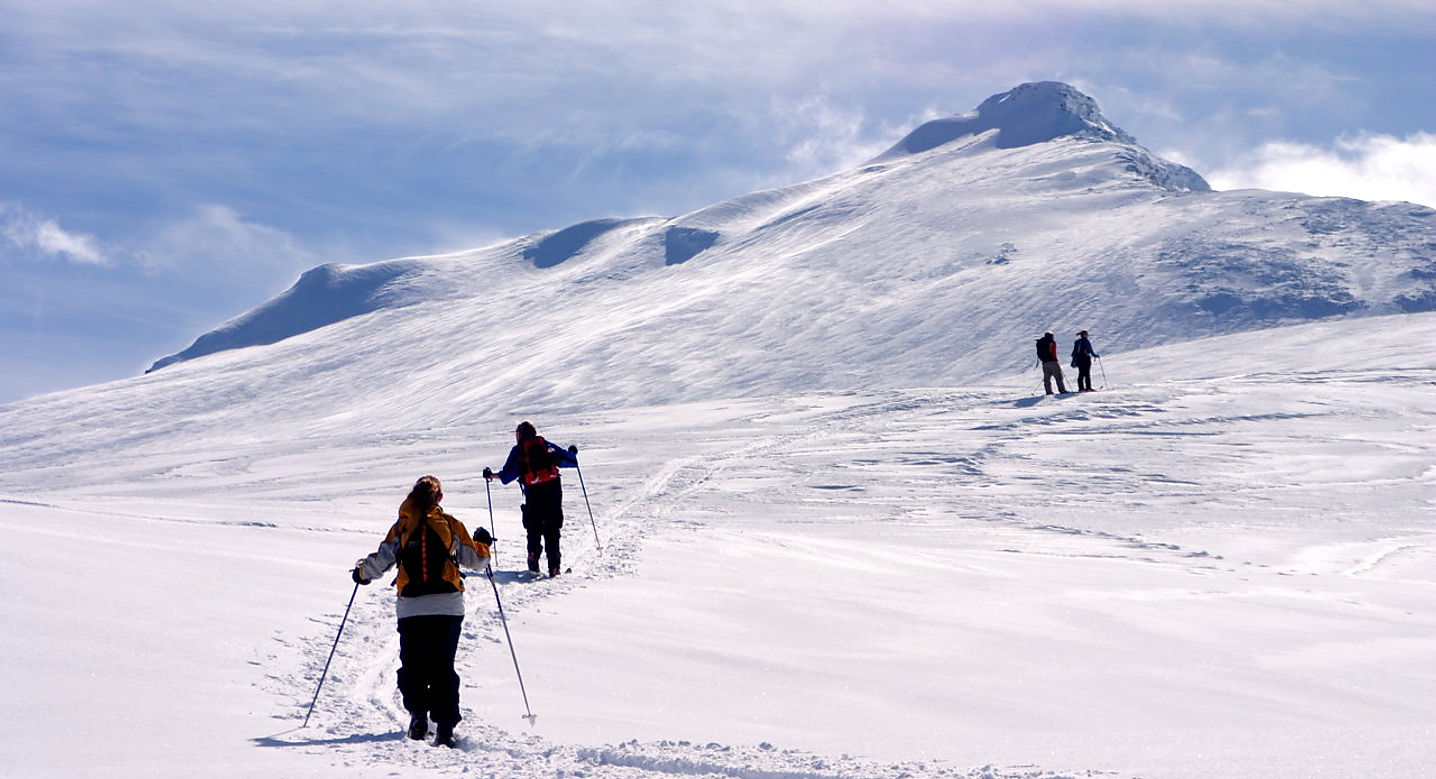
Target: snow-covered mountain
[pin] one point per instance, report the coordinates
(939, 261)
(827, 526)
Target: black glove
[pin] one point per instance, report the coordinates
(357, 576)
(488, 473)
(573, 449)
(482, 536)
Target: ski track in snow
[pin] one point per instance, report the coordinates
(900, 451)
(368, 726)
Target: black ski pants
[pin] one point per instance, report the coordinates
(1084, 373)
(427, 679)
(543, 519)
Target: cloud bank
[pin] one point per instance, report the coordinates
(1367, 167)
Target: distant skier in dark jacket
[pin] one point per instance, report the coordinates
(1082, 355)
(429, 546)
(1051, 366)
(535, 463)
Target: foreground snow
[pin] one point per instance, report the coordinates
(1224, 565)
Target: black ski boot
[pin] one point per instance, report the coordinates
(418, 727)
(444, 736)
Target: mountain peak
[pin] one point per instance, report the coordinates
(1031, 113)
(1042, 111)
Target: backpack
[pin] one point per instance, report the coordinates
(424, 556)
(539, 465)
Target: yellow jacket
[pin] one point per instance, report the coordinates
(462, 549)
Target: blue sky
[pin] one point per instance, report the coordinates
(166, 166)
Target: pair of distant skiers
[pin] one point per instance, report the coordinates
(429, 546)
(1082, 355)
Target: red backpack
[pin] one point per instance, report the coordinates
(539, 465)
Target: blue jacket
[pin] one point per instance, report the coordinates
(1082, 348)
(514, 466)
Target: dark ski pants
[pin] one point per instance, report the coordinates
(1084, 373)
(427, 679)
(1052, 369)
(543, 519)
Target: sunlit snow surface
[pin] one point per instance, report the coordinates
(1222, 565)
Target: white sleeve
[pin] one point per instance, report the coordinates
(374, 566)
(471, 559)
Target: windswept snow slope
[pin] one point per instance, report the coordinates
(1223, 565)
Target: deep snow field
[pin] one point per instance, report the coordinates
(1222, 565)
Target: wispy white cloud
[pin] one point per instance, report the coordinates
(217, 240)
(43, 237)
(1368, 167)
(819, 136)
(213, 240)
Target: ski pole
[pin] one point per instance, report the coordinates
(1104, 373)
(331, 654)
(492, 534)
(591, 521)
(529, 715)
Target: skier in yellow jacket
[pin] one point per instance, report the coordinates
(428, 545)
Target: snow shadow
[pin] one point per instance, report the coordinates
(681, 244)
(357, 738)
(566, 244)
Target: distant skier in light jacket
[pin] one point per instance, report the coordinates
(1051, 367)
(1082, 355)
(535, 463)
(429, 546)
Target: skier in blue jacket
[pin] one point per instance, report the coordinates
(535, 463)
(1082, 355)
